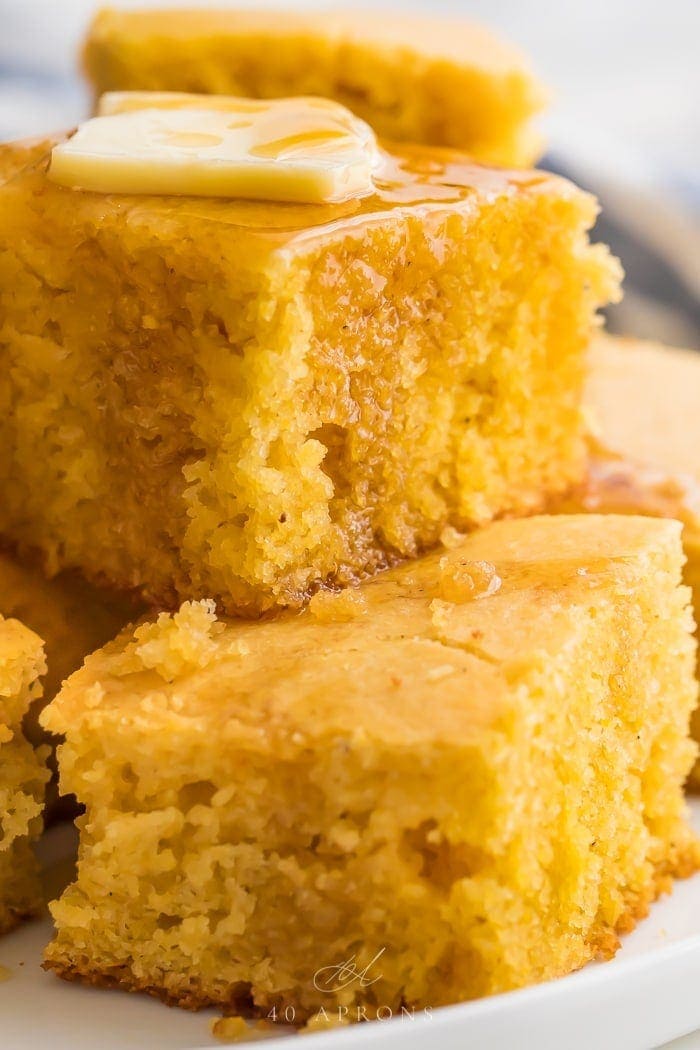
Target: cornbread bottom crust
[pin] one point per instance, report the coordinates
(189, 995)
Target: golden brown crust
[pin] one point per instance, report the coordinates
(604, 943)
(186, 997)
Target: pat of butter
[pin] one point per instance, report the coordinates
(307, 150)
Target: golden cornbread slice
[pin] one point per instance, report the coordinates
(468, 770)
(445, 82)
(244, 400)
(645, 405)
(645, 399)
(23, 773)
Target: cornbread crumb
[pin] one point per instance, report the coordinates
(173, 645)
(238, 1030)
(337, 796)
(446, 82)
(23, 773)
(451, 537)
(326, 388)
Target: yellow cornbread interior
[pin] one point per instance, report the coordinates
(646, 457)
(309, 150)
(70, 616)
(245, 400)
(267, 799)
(415, 79)
(22, 773)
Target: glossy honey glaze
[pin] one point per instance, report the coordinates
(407, 177)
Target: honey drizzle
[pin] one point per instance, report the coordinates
(428, 178)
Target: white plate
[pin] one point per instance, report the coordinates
(646, 995)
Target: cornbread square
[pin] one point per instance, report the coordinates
(22, 773)
(469, 770)
(645, 401)
(246, 400)
(445, 82)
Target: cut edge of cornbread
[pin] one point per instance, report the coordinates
(215, 433)
(23, 774)
(333, 761)
(440, 81)
(642, 401)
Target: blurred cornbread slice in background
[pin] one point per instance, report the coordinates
(444, 82)
(71, 617)
(646, 402)
(23, 773)
(645, 409)
(244, 400)
(469, 769)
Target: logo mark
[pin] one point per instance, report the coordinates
(332, 978)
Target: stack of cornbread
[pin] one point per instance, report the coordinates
(271, 381)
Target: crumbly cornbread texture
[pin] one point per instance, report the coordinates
(242, 400)
(645, 404)
(22, 773)
(69, 615)
(265, 800)
(416, 79)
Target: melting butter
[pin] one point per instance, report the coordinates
(306, 150)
